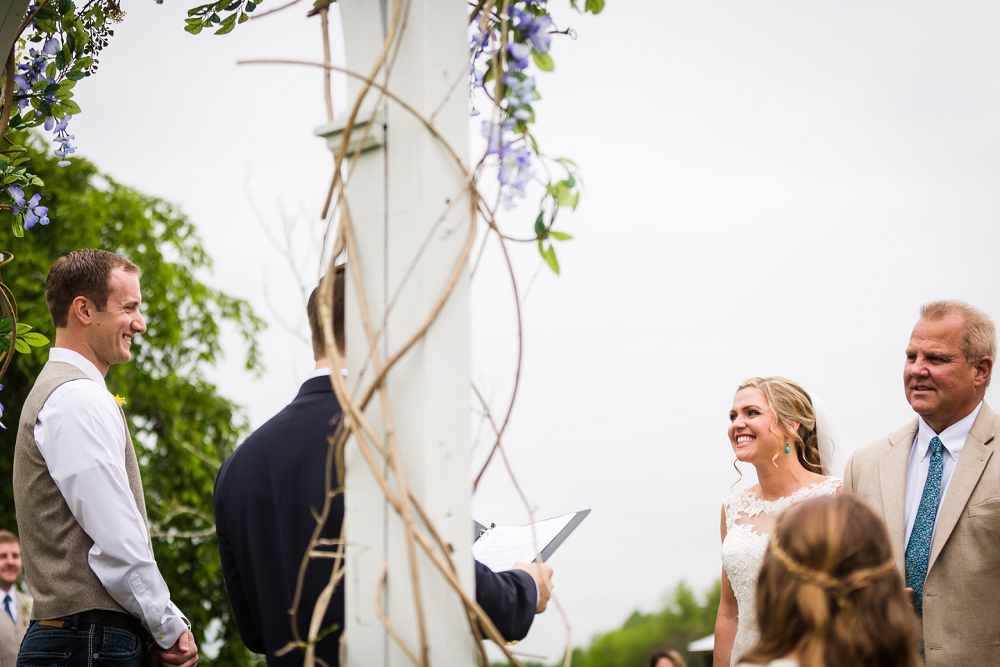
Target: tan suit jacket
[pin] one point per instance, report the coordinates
(962, 592)
(11, 634)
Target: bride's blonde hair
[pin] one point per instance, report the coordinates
(829, 592)
(791, 403)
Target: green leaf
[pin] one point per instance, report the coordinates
(37, 181)
(60, 60)
(21, 346)
(233, 5)
(214, 18)
(560, 236)
(243, 18)
(5, 326)
(51, 89)
(35, 339)
(543, 61)
(50, 70)
(540, 223)
(84, 63)
(227, 25)
(23, 328)
(594, 6)
(549, 254)
(69, 106)
(75, 76)
(251, 5)
(193, 29)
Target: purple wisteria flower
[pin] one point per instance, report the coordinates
(30, 210)
(63, 138)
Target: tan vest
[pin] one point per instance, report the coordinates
(53, 545)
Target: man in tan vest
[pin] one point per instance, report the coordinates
(936, 483)
(15, 606)
(80, 509)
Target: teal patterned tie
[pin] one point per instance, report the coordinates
(918, 550)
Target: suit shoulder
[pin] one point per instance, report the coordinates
(876, 447)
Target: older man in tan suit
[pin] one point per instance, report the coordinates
(936, 483)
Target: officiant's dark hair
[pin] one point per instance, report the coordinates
(312, 310)
(829, 591)
(85, 272)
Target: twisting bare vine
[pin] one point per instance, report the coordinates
(513, 89)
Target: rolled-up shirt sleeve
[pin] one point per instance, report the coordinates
(81, 435)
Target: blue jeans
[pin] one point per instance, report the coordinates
(79, 644)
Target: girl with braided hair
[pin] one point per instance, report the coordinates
(829, 593)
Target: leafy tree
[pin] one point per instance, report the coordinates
(181, 426)
(682, 620)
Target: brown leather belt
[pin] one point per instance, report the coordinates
(102, 617)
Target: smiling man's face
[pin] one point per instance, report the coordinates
(110, 337)
(941, 385)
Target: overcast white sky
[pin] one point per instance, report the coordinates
(771, 188)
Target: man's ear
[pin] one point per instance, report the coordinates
(984, 368)
(82, 310)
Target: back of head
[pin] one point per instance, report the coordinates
(791, 403)
(829, 592)
(316, 327)
(85, 272)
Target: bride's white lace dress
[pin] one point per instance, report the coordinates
(748, 524)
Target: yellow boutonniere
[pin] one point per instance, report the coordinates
(121, 401)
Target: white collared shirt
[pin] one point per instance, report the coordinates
(81, 435)
(953, 441)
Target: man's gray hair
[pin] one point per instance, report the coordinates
(979, 336)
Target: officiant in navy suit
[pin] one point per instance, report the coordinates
(265, 494)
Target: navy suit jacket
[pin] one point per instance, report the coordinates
(265, 496)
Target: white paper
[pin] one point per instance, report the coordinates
(501, 547)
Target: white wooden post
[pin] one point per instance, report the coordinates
(400, 187)
(11, 14)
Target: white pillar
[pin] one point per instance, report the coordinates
(401, 186)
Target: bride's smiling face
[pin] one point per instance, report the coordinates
(750, 427)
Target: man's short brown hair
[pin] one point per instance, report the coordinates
(7, 537)
(312, 310)
(85, 272)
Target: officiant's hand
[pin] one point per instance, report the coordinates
(542, 574)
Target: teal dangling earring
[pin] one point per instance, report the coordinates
(788, 448)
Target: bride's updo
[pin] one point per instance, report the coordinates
(790, 403)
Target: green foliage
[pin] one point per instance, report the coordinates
(25, 340)
(178, 420)
(682, 620)
(207, 16)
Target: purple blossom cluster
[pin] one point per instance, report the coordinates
(40, 67)
(530, 32)
(30, 209)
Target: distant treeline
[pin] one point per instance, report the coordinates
(682, 619)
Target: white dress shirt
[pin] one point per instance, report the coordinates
(81, 435)
(953, 441)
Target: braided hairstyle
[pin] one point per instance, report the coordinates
(829, 592)
(790, 403)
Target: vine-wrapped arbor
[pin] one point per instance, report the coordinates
(407, 222)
